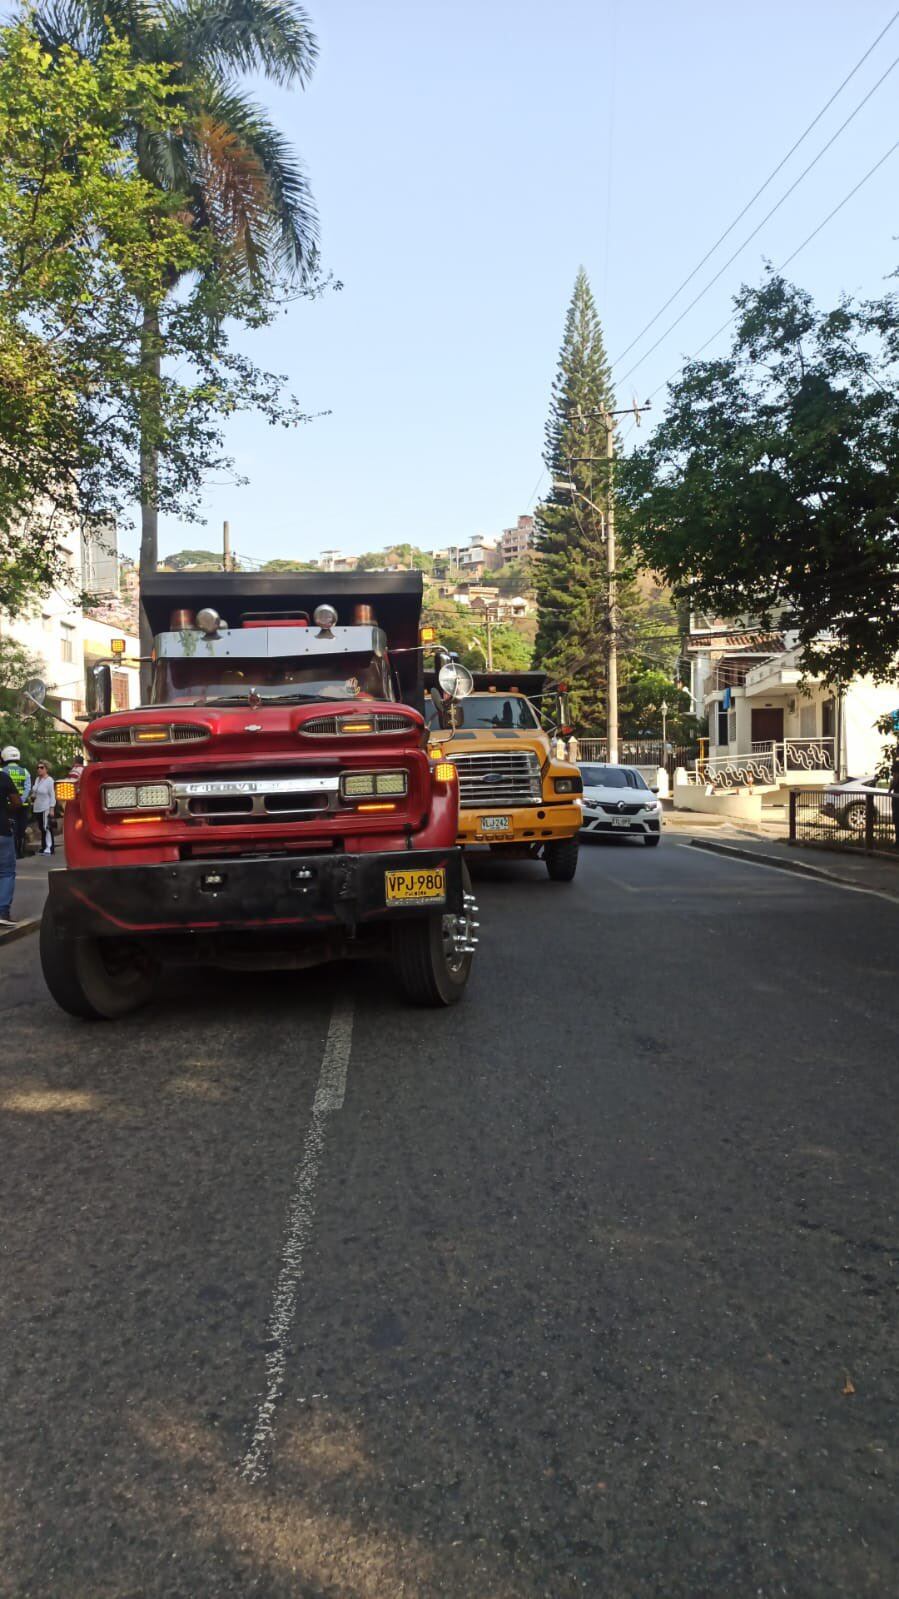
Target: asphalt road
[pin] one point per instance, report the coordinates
(587, 1286)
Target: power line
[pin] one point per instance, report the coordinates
(758, 228)
(760, 191)
(785, 263)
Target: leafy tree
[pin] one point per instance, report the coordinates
(233, 173)
(463, 630)
(207, 560)
(80, 235)
(771, 486)
(643, 691)
(34, 735)
(86, 245)
(572, 587)
(516, 577)
(280, 565)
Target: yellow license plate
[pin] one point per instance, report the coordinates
(415, 888)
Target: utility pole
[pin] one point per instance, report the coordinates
(612, 581)
(488, 618)
(226, 546)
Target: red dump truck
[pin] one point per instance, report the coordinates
(273, 805)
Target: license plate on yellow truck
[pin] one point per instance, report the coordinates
(415, 888)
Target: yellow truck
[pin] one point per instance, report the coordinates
(514, 793)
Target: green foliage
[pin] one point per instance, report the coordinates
(89, 250)
(402, 554)
(642, 692)
(516, 577)
(280, 565)
(34, 735)
(771, 487)
(571, 572)
(463, 630)
(205, 560)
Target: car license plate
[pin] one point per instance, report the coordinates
(495, 824)
(621, 821)
(415, 888)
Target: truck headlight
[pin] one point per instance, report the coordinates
(568, 785)
(365, 785)
(137, 797)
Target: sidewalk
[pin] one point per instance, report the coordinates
(31, 891)
(847, 867)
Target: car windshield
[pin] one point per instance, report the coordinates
(287, 681)
(495, 711)
(611, 777)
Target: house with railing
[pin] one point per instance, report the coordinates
(772, 725)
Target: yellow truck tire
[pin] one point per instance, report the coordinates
(560, 855)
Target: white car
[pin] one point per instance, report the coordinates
(845, 802)
(617, 799)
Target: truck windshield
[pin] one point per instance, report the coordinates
(289, 681)
(495, 711)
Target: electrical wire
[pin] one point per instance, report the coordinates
(786, 262)
(760, 191)
(758, 228)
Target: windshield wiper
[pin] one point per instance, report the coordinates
(262, 699)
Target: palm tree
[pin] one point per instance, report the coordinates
(237, 173)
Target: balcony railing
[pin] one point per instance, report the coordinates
(768, 763)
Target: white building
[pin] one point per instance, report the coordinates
(517, 542)
(770, 723)
(66, 642)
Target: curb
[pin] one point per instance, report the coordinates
(21, 930)
(798, 868)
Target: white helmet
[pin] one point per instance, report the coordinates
(10, 753)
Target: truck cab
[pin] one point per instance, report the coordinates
(514, 793)
(274, 804)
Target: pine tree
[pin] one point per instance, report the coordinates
(571, 573)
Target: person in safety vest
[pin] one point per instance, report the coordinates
(21, 777)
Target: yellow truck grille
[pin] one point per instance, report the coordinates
(507, 778)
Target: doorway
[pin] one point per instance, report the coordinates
(767, 725)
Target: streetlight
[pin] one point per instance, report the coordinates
(664, 710)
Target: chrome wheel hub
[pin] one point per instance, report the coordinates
(460, 933)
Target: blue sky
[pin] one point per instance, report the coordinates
(465, 159)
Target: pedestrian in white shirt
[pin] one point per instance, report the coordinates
(43, 804)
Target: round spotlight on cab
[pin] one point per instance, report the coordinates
(208, 620)
(324, 616)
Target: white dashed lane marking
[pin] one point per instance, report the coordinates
(329, 1097)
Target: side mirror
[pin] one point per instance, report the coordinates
(35, 690)
(455, 680)
(102, 676)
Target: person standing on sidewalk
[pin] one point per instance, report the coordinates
(12, 766)
(894, 795)
(10, 805)
(43, 803)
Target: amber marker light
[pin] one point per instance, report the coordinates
(130, 821)
(375, 807)
(427, 635)
(117, 646)
(445, 772)
(357, 727)
(151, 735)
(65, 790)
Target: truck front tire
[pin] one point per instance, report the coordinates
(97, 979)
(560, 855)
(429, 961)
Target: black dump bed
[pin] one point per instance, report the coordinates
(530, 684)
(395, 599)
